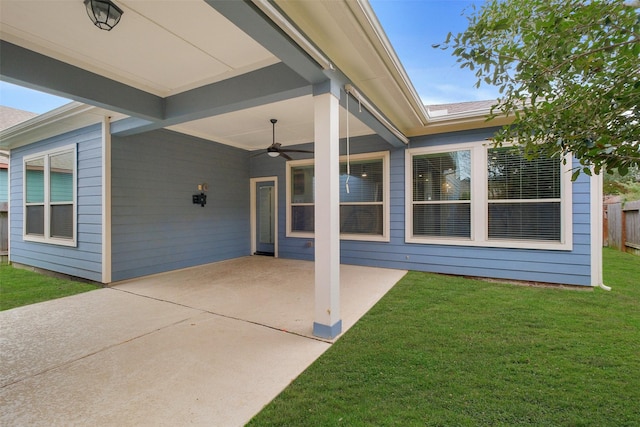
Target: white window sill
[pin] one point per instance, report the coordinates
(354, 237)
(50, 241)
(511, 244)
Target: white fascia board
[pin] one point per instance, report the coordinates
(69, 117)
(391, 59)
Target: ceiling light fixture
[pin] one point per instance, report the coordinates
(103, 13)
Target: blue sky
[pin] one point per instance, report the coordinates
(412, 26)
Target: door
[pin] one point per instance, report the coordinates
(265, 220)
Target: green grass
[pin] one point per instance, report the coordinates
(448, 351)
(22, 287)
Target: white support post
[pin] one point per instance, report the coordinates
(328, 323)
(106, 200)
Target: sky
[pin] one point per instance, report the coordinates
(412, 26)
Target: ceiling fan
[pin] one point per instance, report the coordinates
(276, 149)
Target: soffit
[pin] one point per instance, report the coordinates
(349, 34)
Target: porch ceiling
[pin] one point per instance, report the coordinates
(250, 129)
(171, 49)
(160, 47)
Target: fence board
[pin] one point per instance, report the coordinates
(614, 215)
(631, 213)
(623, 226)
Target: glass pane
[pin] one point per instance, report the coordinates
(266, 213)
(365, 181)
(302, 218)
(35, 181)
(35, 220)
(442, 176)
(361, 219)
(302, 184)
(61, 171)
(62, 221)
(528, 221)
(512, 177)
(446, 220)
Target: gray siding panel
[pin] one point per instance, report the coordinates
(565, 267)
(155, 225)
(85, 259)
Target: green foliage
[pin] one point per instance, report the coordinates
(448, 351)
(627, 186)
(22, 287)
(568, 72)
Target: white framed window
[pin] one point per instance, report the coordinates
(441, 189)
(474, 195)
(524, 197)
(364, 197)
(49, 188)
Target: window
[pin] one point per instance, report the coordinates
(477, 196)
(49, 195)
(442, 194)
(524, 196)
(363, 197)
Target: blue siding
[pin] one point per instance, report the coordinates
(85, 260)
(155, 225)
(4, 185)
(565, 267)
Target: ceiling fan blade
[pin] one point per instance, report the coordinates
(258, 153)
(285, 155)
(295, 151)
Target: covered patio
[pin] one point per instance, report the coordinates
(208, 345)
(216, 72)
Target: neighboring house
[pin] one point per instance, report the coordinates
(112, 191)
(8, 118)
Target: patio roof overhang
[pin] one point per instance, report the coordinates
(220, 70)
(217, 70)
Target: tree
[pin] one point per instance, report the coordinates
(568, 71)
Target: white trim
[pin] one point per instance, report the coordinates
(252, 195)
(72, 148)
(106, 200)
(480, 204)
(596, 219)
(386, 202)
(69, 117)
(390, 58)
(9, 204)
(292, 31)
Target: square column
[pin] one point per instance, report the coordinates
(328, 323)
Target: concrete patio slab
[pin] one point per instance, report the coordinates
(206, 371)
(39, 337)
(209, 345)
(275, 292)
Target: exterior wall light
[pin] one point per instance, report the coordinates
(103, 13)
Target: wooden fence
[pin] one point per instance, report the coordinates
(622, 226)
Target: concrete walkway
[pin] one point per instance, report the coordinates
(209, 345)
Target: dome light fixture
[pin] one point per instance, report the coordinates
(103, 13)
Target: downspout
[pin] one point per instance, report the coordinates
(596, 182)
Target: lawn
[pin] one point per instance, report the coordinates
(22, 287)
(440, 350)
